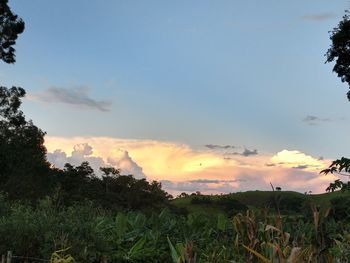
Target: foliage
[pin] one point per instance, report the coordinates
(10, 27)
(201, 200)
(95, 234)
(339, 50)
(338, 166)
(23, 167)
(59, 257)
(113, 191)
(340, 208)
(319, 249)
(226, 203)
(230, 205)
(289, 204)
(182, 253)
(341, 167)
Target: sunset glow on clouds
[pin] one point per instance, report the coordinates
(183, 169)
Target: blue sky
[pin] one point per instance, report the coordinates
(247, 73)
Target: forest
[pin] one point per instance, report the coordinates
(76, 214)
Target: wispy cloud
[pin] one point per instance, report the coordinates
(246, 152)
(301, 166)
(74, 96)
(219, 147)
(314, 120)
(319, 17)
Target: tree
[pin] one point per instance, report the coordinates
(340, 167)
(23, 165)
(110, 171)
(340, 53)
(10, 27)
(340, 50)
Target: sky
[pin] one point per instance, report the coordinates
(210, 96)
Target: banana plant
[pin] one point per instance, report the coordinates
(182, 253)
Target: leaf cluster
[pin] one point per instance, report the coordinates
(10, 27)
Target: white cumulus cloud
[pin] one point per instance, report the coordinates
(83, 152)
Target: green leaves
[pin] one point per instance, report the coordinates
(175, 255)
(136, 250)
(121, 224)
(182, 253)
(221, 223)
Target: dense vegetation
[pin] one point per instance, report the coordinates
(94, 234)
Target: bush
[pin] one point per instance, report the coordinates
(230, 205)
(340, 208)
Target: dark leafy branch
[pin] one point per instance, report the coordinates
(10, 27)
(342, 167)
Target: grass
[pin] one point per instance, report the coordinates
(254, 199)
(185, 202)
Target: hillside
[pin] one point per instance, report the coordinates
(289, 200)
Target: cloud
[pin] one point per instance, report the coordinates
(156, 158)
(182, 168)
(75, 96)
(83, 152)
(297, 160)
(127, 165)
(319, 17)
(314, 120)
(220, 147)
(301, 166)
(211, 181)
(246, 152)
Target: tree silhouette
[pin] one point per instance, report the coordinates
(10, 27)
(23, 165)
(340, 53)
(341, 167)
(340, 50)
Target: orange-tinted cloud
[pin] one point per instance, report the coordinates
(182, 168)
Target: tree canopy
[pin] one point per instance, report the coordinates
(340, 53)
(22, 152)
(10, 27)
(340, 50)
